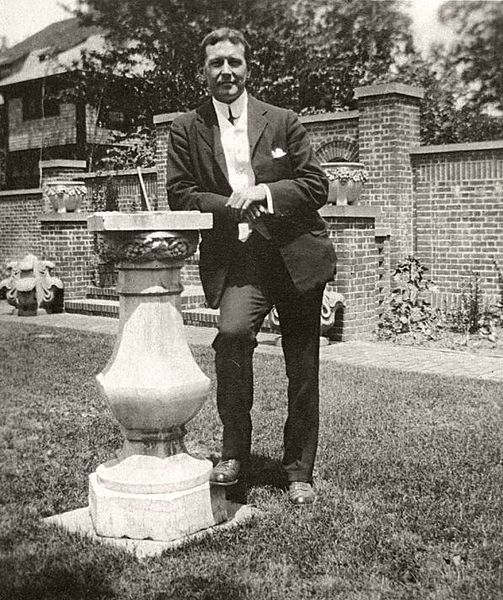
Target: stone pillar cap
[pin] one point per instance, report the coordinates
(385, 89)
(179, 220)
(61, 163)
(166, 117)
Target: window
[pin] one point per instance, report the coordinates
(32, 103)
(115, 119)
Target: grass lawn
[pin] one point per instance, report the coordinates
(409, 478)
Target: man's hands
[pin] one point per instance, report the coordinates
(247, 205)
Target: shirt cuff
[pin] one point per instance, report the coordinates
(267, 191)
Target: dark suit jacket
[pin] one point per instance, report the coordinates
(197, 180)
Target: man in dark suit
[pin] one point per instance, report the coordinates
(252, 166)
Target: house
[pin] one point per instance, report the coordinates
(39, 121)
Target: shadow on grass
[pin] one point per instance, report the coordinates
(262, 471)
(190, 586)
(52, 580)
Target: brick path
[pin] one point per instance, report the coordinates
(370, 354)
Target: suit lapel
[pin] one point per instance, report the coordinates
(256, 123)
(207, 128)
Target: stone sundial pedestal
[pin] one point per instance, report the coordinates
(153, 489)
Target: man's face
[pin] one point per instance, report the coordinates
(226, 70)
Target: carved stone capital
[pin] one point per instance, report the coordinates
(33, 276)
(140, 247)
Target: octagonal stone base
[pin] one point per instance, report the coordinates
(158, 508)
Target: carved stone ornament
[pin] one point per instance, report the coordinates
(64, 196)
(30, 284)
(346, 182)
(332, 302)
(156, 245)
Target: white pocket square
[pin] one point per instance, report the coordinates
(278, 153)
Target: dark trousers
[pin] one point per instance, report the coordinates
(258, 280)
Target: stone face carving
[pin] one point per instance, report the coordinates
(64, 196)
(332, 303)
(30, 284)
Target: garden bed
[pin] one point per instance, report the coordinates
(449, 340)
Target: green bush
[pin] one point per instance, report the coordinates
(472, 314)
(408, 309)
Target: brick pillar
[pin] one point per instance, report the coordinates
(60, 169)
(388, 128)
(162, 125)
(67, 243)
(352, 229)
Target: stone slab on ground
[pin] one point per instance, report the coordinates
(79, 521)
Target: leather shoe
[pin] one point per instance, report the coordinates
(300, 493)
(226, 472)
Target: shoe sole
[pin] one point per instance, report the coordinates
(302, 504)
(223, 483)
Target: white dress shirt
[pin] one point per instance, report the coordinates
(236, 146)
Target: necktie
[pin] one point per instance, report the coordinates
(231, 117)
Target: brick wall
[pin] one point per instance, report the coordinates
(445, 204)
(162, 125)
(41, 133)
(353, 231)
(19, 225)
(130, 197)
(66, 241)
(388, 128)
(459, 214)
(333, 135)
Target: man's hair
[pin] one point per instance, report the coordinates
(221, 35)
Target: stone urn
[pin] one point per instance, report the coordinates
(346, 182)
(154, 488)
(64, 196)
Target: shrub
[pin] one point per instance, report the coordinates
(473, 315)
(131, 150)
(408, 309)
(499, 280)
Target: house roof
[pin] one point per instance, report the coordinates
(54, 50)
(49, 52)
(59, 37)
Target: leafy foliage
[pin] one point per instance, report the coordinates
(472, 315)
(409, 310)
(478, 50)
(129, 151)
(307, 56)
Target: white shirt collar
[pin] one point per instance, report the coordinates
(238, 107)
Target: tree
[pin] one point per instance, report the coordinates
(477, 51)
(453, 110)
(308, 55)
